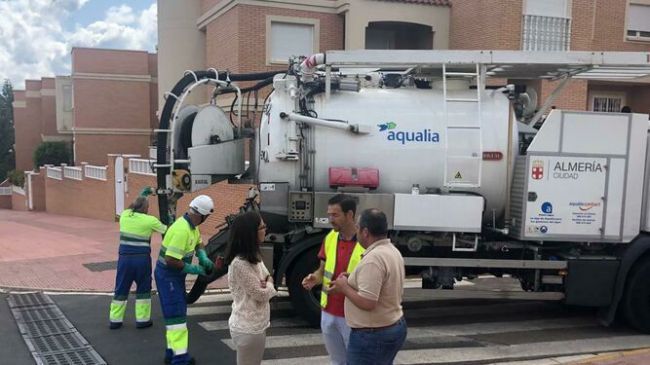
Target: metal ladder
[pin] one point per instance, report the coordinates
(464, 173)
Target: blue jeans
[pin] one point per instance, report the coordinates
(376, 347)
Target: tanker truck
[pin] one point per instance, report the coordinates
(474, 176)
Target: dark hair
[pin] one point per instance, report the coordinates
(139, 205)
(375, 220)
(626, 109)
(346, 202)
(243, 238)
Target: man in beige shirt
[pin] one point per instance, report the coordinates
(373, 295)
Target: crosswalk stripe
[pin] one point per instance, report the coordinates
(440, 334)
(465, 355)
(227, 297)
(220, 309)
(275, 323)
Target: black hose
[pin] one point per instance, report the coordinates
(165, 117)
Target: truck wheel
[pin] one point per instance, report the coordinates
(636, 303)
(305, 302)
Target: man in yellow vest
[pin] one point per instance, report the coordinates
(340, 252)
(134, 263)
(182, 240)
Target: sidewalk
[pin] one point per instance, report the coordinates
(636, 357)
(48, 252)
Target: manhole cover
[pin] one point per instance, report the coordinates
(101, 266)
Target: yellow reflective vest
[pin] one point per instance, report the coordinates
(331, 243)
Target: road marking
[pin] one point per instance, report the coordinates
(275, 323)
(226, 308)
(464, 355)
(437, 334)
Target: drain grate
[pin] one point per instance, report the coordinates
(82, 357)
(101, 266)
(30, 314)
(45, 328)
(50, 337)
(28, 300)
(63, 342)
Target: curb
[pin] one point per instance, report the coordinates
(611, 356)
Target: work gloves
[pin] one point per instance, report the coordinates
(204, 261)
(193, 269)
(146, 191)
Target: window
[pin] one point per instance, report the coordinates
(67, 98)
(546, 25)
(638, 22)
(398, 35)
(611, 102)
(290, 37)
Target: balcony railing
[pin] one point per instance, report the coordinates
(95, 172)
(72, 172)
(54, 173)
(141, 166)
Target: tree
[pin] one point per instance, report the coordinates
(52, 153)
(7, 153)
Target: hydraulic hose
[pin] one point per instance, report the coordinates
(165, 117)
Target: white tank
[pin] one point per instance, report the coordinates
(409, 143)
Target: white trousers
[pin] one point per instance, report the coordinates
(336, 335)
(250, 347)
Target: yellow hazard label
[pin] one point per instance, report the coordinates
(458, 176)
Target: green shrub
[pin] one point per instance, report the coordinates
(16, 177)
(52, 153)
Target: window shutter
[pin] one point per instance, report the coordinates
(639, 18)
(289, 39)
(552, 8)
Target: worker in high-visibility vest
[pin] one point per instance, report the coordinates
(339, 253)
(134, 262)
(181, 241)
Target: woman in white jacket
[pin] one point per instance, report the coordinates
(251, 286)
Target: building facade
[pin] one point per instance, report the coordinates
(562, 25)
(35, 119)
(114, 103)
(256, 36)
(106, 106)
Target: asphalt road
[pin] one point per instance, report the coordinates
(442, 331)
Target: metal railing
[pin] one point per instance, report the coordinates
(6, 190)
(72, 172)
(18, 190)
(95, 172)
(54, 173)
(141, 166)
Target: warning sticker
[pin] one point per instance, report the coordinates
(458, 176)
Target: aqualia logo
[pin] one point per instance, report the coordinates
(403, 137)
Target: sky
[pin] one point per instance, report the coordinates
(36, 36)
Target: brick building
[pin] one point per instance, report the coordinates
(246, 36)
(35, 119)
(114, 102)
(256, 36)
(107, 105)
(562, 25)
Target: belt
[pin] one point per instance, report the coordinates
(374, 329)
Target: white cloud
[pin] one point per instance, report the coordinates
(34, 43)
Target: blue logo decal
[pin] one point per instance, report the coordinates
(543, 229)
(425, 135)
(547, 208)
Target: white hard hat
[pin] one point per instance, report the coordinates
(202, 204)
